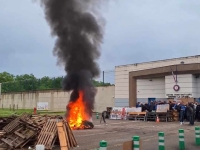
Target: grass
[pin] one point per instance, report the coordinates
(8, 112)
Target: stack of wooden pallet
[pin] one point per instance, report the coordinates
(28, 130)
(53, 129)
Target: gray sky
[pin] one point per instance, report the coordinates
(135, 31)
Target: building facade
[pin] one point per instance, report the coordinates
(144, 82)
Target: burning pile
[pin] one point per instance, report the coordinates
(76, 25)
(77, 116)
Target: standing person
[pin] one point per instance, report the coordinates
(190, 111)
(103, 115)
(198, 112)
(182, 112)
(151, 106)
(138, 105)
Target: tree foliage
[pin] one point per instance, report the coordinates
(28, 82)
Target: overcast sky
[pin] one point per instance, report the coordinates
(135, 31)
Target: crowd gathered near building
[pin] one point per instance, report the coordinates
(189, 111)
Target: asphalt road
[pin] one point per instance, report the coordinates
(116, 132)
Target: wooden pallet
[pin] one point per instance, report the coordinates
(48, 134)
(13, 124)
(20, 137)
(137, 115)
(37, 122)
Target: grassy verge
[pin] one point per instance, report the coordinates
(8, 112)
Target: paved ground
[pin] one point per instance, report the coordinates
(119, 131)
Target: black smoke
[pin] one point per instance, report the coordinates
(79, 34)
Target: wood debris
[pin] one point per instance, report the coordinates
(31, 130)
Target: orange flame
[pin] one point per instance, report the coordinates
(77, 112)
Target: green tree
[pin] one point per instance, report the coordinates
(6, 77)
(25, 77)
(99, 83)
(45, 83)
(26, 82)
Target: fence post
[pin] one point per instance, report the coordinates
(103, 145)
(13, 107)
(136, 143)
(161, 141)
(197, 135)
(181, 140)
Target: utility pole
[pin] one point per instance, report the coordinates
(103, 77)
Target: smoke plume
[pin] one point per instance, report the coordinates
(79, 34)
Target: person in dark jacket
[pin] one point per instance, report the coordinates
(198, 112)
(138, 105)
(171, 105)
(190, 112)
(151, 107)
(147, 106)
(103, 115)
(181, 107)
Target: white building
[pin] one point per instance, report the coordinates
(148, 81)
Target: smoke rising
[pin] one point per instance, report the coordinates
(79, 34)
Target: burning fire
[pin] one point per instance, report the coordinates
(77, 113)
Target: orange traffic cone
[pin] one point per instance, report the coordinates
(157, 119)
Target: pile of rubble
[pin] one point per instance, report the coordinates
(30, 130)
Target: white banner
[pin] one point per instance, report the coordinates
(116, 113)
(162, 108)
(134, 109)
(42, 105)
(122, 112)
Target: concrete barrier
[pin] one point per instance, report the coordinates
(181, 140)
(197, 135)
(161, 141)
(103, 145)
(135, 144)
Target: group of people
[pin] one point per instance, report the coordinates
(152, 106)
(189, 111)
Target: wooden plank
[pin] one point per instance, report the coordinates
(128, 145)
(71, 135)
(62, 137)
(66, 134)
(20, 135)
